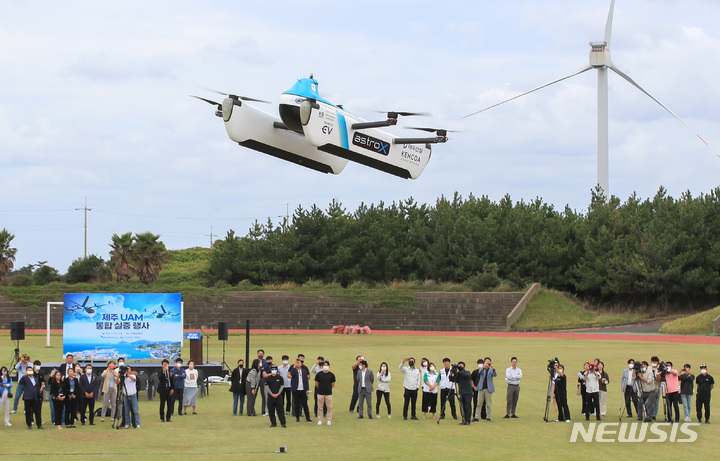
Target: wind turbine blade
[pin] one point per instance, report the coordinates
(586, 68)
(633, 83)
(608, 24)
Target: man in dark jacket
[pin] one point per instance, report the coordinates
(237, 386)
(88, 387)
(275, 384)
(32, 395)
(465, 387)
(166, 390)
(705, 384)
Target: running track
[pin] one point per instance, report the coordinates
(652, 338)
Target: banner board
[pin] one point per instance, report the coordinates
(105, 326)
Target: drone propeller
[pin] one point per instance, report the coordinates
(439, 131)
(395, 113)
(209, 101)
(242, 98)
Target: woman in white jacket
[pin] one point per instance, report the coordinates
(383, 389)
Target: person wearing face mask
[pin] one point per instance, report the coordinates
(475, 376)
(109, 390)
(238, 378)
(251, 386)
(33, 384)
(672, 392)
(629, 388)
(324, 384)
(284, 371)
(88, 387)
(130, 404)
(317, 368)
(687, 381)
(266, 372)
(5, 393)
(383, 389)
(447, 389)
(166, 391)
(411, 383)
(365, 382)
(274, 384)
(560, 392)
(647, 404)
(654, 362)
(705, 384)
(21, 367)
(72, 392)
(179, 376)
(191, 388)
(430, 388)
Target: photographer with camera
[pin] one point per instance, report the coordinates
(659, 378)
(646, 375)
(629, 387)
(460, 376)
(592, 379)
(486, 387)
(560, 392)
(109, 390)
(127, 378)
(21, 368)
(672, 391)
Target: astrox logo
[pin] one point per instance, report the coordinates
(370, 143)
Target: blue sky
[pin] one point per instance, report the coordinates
(94, 103)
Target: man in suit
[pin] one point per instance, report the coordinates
(365, 380)
(88, 387)
(166, 390)
(300, 388)
(68, 365)
(33, 385)
(486, 387)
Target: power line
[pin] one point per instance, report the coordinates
(86, 209)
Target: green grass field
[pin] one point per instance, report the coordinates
(217, 434)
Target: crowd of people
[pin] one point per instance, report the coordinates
(645, 388)
(283, 389)
(72, 392)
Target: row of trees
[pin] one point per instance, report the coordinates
(662, 250)
(139, 254)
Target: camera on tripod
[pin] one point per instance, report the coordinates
(122, 371)
(552, 363)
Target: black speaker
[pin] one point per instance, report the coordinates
(17, 330)
(222, 331)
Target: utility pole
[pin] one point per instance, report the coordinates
(211, 236)
(85, 209)
(286, 217)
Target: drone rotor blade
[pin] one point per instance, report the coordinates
(586, 68)
(403, 113)
(209, 101)
(242, 98)
(633, 83)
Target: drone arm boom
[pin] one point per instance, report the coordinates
(435, 140)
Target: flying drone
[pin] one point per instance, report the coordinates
(317, 134)
(83, 306)
(164, 313)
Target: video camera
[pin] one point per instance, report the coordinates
(662, 368)
(122, 371)
(552, 363)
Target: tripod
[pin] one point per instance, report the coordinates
(621, 412)
(16, 357)
(224, 364)
(548, 398)
(120, 406)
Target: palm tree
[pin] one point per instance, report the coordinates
(7, 254)
(121, 256)
(149, 255)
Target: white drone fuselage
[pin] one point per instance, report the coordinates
(317, 134)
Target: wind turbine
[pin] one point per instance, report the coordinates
(600, 60)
